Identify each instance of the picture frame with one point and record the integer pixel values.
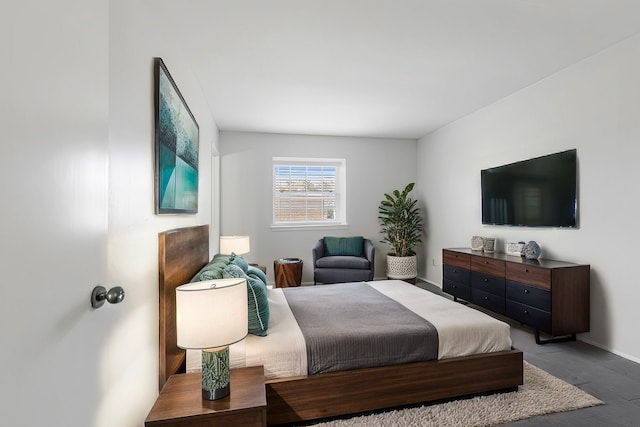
(177, 146)
(515, 248)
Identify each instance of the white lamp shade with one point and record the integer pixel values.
(211, 313)
(238, 245)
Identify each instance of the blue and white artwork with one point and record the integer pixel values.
(177, 144)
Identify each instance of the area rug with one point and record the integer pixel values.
(542, 393)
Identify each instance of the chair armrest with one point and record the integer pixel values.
(369, 251)
(317, 251)
(370, 254)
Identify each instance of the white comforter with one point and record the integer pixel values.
(462, 331)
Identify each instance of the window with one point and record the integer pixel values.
(308, 192)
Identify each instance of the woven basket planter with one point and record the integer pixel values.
(402, 267)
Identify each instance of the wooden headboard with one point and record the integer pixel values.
(181, 254)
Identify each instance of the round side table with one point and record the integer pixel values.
(288, 272)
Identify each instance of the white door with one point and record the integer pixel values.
(53, 215)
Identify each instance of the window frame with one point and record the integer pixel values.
(340, 190)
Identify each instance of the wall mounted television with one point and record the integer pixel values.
(539, 192)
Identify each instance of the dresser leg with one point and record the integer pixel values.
(566, 338)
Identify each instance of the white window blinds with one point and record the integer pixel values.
(307, 191)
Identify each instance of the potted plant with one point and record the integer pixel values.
(402, 226)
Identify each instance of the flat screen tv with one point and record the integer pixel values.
(539, 192)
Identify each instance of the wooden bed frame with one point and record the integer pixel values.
(183, 252)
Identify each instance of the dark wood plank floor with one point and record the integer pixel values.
(610, 378)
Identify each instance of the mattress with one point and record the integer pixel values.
(462, 331)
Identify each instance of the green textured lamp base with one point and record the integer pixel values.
(216, 394)
(215, 373)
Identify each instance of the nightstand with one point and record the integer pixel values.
(180, 403)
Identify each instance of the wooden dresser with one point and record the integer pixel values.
(550, 296)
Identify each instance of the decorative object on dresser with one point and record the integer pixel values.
(515, 248)
(550, 296)
(532, 250)
(402, 226)
(489, 245)
(477, 243)
(210, 316)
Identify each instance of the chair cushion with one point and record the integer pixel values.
(340, 275)
(339, 261)
(343, 245)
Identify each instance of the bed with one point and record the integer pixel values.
(293, 395)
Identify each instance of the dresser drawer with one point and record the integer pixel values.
(456, 259)
(457, 290)
(529, 295)
(530, 275)
(490, 266)
(531, 316)
(456, 274)
(484, 282)
(489, 301)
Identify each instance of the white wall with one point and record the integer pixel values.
(592, 106)
(129, 366)
(374, 167)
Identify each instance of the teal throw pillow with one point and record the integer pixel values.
(257, 300)
(240, 262)
(257, 274)
(222, 258)
(343, 245)
(213, 270)
(258, 307)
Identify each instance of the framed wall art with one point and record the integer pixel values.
(176, 147)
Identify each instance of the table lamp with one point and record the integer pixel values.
(238, 245)
(211, 315)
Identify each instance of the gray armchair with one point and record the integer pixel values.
(329, 268)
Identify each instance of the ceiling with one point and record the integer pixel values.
(382, 68)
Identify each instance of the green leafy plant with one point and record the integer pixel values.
(402, 223)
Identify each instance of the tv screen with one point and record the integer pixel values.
(539, 192)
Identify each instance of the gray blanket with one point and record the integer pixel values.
(351, 325)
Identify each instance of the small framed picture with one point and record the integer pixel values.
(515, 248)
(489, 245)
